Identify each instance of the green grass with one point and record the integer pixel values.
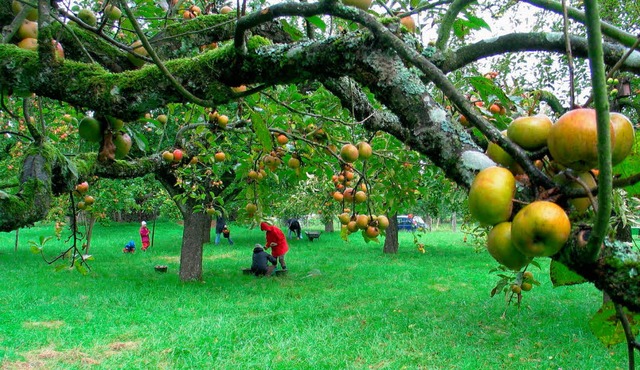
(365, 310)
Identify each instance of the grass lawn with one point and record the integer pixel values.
(360, 310)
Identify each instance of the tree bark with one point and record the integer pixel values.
(454, 222)
(195, 225)
(391, 238)
(328, 226)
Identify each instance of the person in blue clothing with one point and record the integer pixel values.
(130, 247)
(222, 229)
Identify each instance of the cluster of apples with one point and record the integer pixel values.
(27, 33)
(541, 228)
(93, 130)
(174, 156)
(351, 153)
(87, 200)
(342, 182)
(220, 120)
(370, 225)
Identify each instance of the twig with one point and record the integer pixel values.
(291, 109)
(567, 41)
(628, 333)
(13, 115)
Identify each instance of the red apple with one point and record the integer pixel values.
(177, 155)
(573, 140)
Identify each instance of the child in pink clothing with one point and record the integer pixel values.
(144, 235)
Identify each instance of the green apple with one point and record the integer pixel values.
(501, 248)
(498, 155)
(531, 132)
(361, 4)
(540, 229)
(579, 204)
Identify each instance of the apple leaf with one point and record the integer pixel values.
(499, 286)
(141, 141)
(80, 267)
(488, 90)
(608, 329)
(262, 132)
(35, 249)
(561, 275)
(630, 165)
(291, 30)
(317, 21)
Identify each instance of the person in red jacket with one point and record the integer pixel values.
(276, 241)
(144, 235)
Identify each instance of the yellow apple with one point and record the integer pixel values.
(491, 195)
(349, 153)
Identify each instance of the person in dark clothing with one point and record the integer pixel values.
(261, 259)
(221, 228)
(294, 226)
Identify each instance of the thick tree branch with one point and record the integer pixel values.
(529, 42)
(607, 29)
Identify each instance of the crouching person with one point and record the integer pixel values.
(260, 265)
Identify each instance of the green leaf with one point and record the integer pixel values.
(80, 267)
(460, 29)
(60, 268)
(291, 30)
(488, 90)
(561, 275)
(499, 286)
(141, 141)
(608, 329)
(317, 21)
(35, 249)
(261, 130)
(476, 23)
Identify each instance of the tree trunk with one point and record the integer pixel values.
(89, 223)
(454, 222)
(195, 226)
(429, 222)
(206, 236)
(391, 240)
(328, 226)
(15, 248)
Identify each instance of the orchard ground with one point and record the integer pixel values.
(342, 305)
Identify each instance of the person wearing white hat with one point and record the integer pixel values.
(144, 235)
